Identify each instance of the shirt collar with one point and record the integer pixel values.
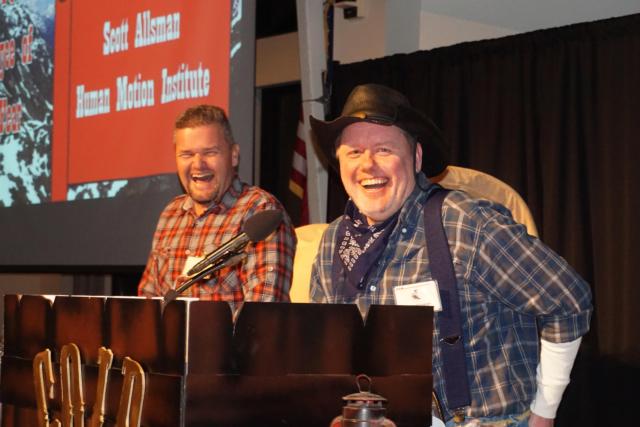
(416, 199)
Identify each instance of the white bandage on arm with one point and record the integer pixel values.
(556, 361)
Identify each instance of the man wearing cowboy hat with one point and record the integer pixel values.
(522, 309)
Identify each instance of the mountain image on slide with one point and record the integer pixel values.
(25, 156)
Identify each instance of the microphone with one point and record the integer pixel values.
(172, 294)
(256, 228)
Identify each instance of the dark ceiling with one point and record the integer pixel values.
(275, 17)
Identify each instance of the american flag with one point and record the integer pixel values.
(298, 179)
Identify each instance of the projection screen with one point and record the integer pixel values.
(89, 92)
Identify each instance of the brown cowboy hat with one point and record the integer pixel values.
(385, 106)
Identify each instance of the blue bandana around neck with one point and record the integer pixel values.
(359, 246)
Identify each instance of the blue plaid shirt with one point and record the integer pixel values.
(513, 290)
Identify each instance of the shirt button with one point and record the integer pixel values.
(270, 268)
(188, 252)
(404, 230)
(373, 288)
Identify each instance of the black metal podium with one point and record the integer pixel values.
(278, 365)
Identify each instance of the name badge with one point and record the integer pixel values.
(422, 293)
(191, 261)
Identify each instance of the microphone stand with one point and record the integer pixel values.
(235, 258)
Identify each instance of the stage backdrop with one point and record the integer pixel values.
(554, 113)
(87, 159)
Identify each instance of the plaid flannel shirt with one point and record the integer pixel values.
(512, 290)
(264, 275)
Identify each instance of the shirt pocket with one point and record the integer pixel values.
(167, 263)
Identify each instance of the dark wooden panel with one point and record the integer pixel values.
(17, 416)
(281, 338)
(162, 404)
(297, 400)
(266, 401)
(17, 381)
(210, 335)
(321, 338)
(11, 341)
(397, 341)
(134, 329)
(408, 396)
(34, 326)
(79, 320)
(173, 339)
(282, 365)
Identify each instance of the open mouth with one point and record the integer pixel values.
(202, 177)
(374, 183)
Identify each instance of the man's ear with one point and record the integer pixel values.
(235, 155)
(418, 157)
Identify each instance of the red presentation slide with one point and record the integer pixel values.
(123, 71)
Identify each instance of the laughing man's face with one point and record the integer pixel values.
(377, 168)
(206, 163)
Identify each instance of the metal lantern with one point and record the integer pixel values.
(363, 409)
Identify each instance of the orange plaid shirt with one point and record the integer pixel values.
(264, 275)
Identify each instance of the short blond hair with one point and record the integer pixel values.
(204, 115)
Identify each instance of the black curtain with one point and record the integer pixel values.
(556, 114)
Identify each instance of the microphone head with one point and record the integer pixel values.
(263, 223)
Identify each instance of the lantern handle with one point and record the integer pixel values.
(360, 382)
